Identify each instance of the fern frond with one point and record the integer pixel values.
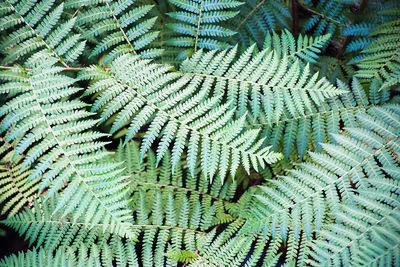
(37, 27)
(62, 257)
(382, 56)
(314, 128)
(266, 82)
(117, 27)
(368, 235)
(257, 18)
(306, 48)
(15, 190)
(52, 131)
(178, 110)
(199, 25)
(328, 17)
(297, 201)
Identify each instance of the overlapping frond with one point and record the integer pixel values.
(257, 18)
(381, 57)
(28, 27)
(116, 27)
(179, 111)
(199, 24)
(368, 234)
(263, 83)
(305, 198)
(41, 257)
(305, 48)
(310, 130)
(328, 17)
(53, 131)
(15, 189)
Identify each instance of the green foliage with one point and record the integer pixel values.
(197, 24)
(35, 27)
(200, 132)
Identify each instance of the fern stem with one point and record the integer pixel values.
(120, 28)
(198, 26)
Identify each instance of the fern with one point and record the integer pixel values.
(37, 27)
(257, 18)
(116, 27)
(64, 150)
(312, 129)
(266, 82)
(150, 133)
(197, 25)
(15, 190)
(337, 175)
(306, 48)
(165, 98)
(382, 55)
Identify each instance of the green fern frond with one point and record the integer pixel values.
(328, 17)
(382, 56)
(116, 27)
(297, 201)
(15, 190)
(314, 128)
(62, 257)
(199, 25)
(52, 131)
(37, 27)
(266, 82)
(306, 48)
(368, 235)
(176, 106)
(257, 18)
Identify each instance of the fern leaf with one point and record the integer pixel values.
(196, 24)
(345, 168)
(117, 27)
(36, 28)
(65, 151)
(175, 104)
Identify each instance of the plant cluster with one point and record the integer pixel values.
(201, 132)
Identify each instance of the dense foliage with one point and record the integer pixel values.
(201, 132)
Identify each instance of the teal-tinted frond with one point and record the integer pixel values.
(368, 235)
(382, 56)
(28, 27)
(266, 82)
(180, 113)
(257, 18)
(328, 17)
(305, 48)
(42, 257)
(15, 190)
(208, 202)
(334, 69)
(305, 198)
(198, 24)
(116, 27)
(310, 130)
(230, 248)
(53, 131)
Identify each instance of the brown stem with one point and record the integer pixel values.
(295, 17)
